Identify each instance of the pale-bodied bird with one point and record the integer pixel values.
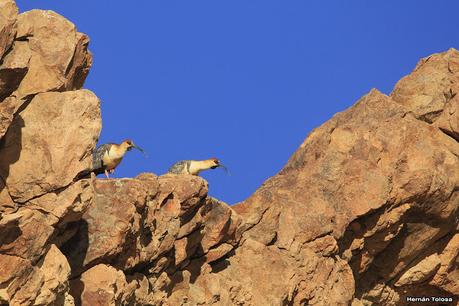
(194, 167)
(108, 156)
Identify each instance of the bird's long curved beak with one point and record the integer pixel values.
(140, 149)
(224, 168)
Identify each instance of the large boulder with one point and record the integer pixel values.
(364, 213)
(431, 88)
(34, 270)
(49, 143)
(8, 14)
(47, 283)
(48, 54)
(101, 285)
(151, 221)
(60, 59)
(380, 179)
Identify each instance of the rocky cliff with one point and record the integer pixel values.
(364, 213)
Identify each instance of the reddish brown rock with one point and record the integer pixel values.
(12, 267)
(264, 275)
(27, 232)
(49, 142)
(448, 121)
(101, 285)
(8, 108)
(38, 272)
(220, 225)
(24, 289)
(156, 225)
(60, 59)
(47, 55)
(121, 224)
(420, 272)
(43, 284)
(6, 203)
(370, 177)
(364, 213)
(447, 275)
(13, 69)
(38, 161)
(139, 289)
(68, 205)
(8, 14)
(56, 272)
(432, 85)
(218, 252)
(134, 221)
(430, 91)
(116, 227)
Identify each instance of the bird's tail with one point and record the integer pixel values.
(85, 174)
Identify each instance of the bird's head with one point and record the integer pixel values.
(128, 144)
(215, 163)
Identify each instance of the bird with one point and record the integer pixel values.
(194, 167)
(108, 156)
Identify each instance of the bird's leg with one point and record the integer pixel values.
(112, 171)
(106, 174)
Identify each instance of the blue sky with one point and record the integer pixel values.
(244, 81)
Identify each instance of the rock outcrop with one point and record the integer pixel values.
(365, 212)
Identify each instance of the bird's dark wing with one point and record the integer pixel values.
(97, 165)
(178, 167)
(97, 158)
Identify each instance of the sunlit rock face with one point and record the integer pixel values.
(365, 211)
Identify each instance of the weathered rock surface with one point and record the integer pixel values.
(35, 268)
(101, 285)
(429, 92)
(447, 275)
(48, 142)
(364, 213)
(380, 180)
(8, 14)
(40, 51)
(149, 224)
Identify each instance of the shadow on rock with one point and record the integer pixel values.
(10, 231)
(75, 248)
(10, 147)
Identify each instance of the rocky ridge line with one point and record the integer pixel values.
(364, 213)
